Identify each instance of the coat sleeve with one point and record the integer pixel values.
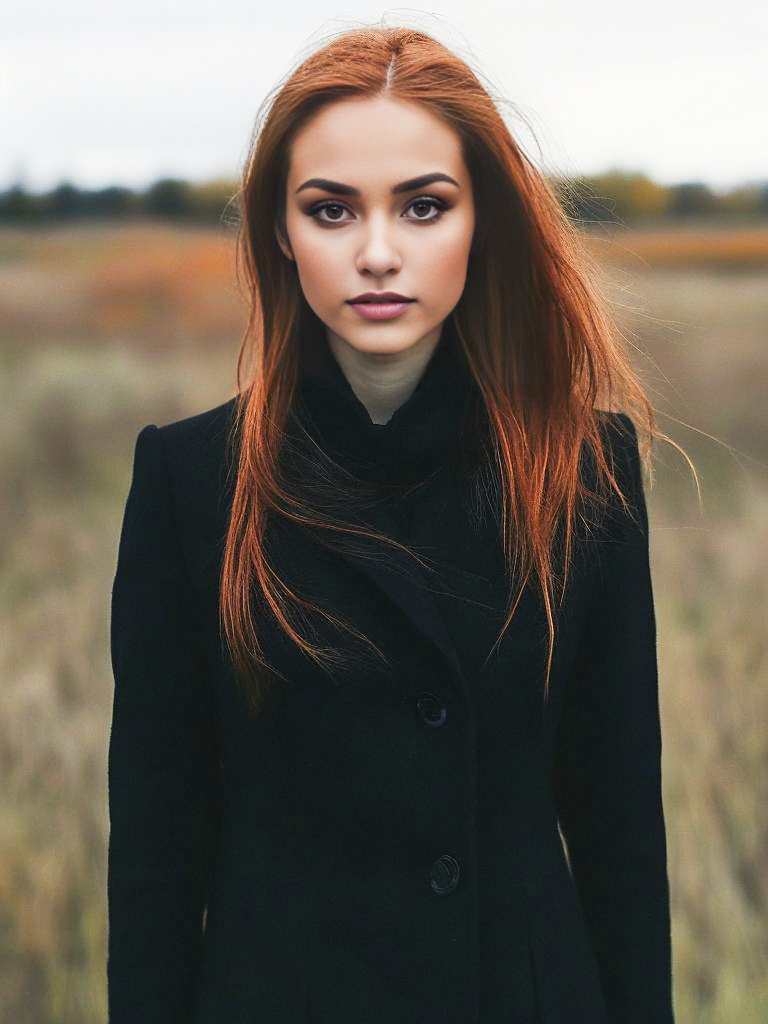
(608, 764)
(162, 762)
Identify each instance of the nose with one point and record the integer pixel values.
(378, 251)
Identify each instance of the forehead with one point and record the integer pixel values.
(374, 142)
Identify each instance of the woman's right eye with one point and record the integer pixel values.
(325, 206)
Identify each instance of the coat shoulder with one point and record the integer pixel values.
(198, 449)
(618, 430)
(184, 436)
(620, 445)
(200, 461)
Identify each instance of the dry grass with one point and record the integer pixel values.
(106, 330)
(691, 247)
(156, 285)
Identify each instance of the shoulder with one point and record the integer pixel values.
(190, 458)
(196, 448)
(183, 438)
(621, 449)
(618, 430)
(605, 516)
(619, 439)
(182, 471)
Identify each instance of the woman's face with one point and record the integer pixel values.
(415, 241)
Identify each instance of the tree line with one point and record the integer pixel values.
(613, 198)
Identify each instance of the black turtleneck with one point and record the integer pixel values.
(416, 477)
(424, 433)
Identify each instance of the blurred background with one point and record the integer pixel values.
(124, 132)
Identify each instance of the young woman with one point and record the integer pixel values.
(385, 745)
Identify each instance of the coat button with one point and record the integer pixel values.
(444, 876)
(431, 710)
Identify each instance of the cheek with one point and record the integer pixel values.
(318, 269)
(314, 256)
(318, 260)
(448, 256)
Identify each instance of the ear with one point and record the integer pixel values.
(283, 243)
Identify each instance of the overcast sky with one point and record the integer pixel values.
(98, 92)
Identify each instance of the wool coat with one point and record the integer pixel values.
(413, 839)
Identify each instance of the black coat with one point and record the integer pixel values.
(382, 845)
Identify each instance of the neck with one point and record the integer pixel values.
(383, 381)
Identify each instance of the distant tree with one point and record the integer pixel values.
(214, 201)
(63, 202)
(168, 197)
(581, 201)
(642, 196)
(615, 196)
(16, 204)
(692, 198)
(114, 201)
(762, 197)
(742, 201)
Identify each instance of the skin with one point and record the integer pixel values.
(379, 241)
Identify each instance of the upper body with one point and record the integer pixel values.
(384, 844)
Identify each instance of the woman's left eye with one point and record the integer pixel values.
(438, 204)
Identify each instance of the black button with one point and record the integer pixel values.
(444, 876)
(431, 710)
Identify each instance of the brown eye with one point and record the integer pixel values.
(436, 203)
(326, 206)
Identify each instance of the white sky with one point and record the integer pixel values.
(100, 92)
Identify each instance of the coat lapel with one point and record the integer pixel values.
(391, 573)
(408, 587)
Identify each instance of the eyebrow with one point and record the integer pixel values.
(405, 186)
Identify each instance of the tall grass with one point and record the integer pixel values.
(104, 330)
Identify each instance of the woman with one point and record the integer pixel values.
(385, 742)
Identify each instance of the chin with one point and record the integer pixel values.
(383, 337)
(377, 342)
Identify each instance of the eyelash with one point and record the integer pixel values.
(441, 205)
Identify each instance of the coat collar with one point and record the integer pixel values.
(421, 435)
(425, 436)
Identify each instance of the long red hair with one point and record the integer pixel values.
(538, 337)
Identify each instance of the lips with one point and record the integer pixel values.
(381, 310)
(381, 299)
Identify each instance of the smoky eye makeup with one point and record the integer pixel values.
(313, 210)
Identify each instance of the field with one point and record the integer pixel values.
(106, 328)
